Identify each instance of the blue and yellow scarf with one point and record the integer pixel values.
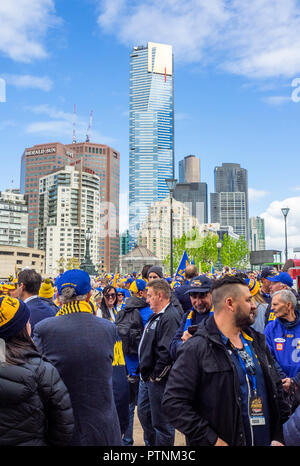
(75, 306)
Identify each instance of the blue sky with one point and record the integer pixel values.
(235, 62)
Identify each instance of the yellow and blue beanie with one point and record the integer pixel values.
(138, 285)
(253, 285)
(46, 289)
(14, 315)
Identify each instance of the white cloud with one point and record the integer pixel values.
(23, 27)
(274, 224)
(254, 38)
(27, 81)
(277, 99)
(60, 124)
(255, 194)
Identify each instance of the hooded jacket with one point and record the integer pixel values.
(35, 407)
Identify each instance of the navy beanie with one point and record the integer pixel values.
(156, 269)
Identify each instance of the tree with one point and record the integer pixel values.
(73, 263)
(61, 263)
(234, 253)
(203, 249)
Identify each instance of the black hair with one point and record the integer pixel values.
(103, 307)
(18, 347)
(145, 270)
(31, 280)
(222, 287)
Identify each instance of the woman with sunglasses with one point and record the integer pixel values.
(108, 305)
(120, 299)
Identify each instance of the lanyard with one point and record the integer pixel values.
(251, 377)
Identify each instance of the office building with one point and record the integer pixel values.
(229, 202)
(194, 197)
(104, 161)
(13, 259)
(13, 218)
(155, 232)
(69, 205)
(189, 169)
(257, 234)
(124, 243)
(151, 130)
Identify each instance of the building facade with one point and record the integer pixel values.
(194, 196)
(229, 209)
(13, 259)
(13, 218)
(229, 202)
(189, 169)
(103, 160)
(151, 130)
(69, 201)
(257, 234)
(155, 232)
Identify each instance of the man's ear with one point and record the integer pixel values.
(229, 303)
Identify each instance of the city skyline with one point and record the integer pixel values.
(240, 106)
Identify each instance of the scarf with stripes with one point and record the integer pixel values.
(75, 306)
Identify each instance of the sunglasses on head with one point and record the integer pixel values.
(197, 294)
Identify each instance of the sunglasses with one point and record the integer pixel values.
(120, 294)
(110, 295)
(198, 295)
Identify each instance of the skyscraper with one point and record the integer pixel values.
(257, 234)
(151, 130)
(189, 169)
(104, 161)
(229, 202)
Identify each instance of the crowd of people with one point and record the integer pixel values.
(215, 356)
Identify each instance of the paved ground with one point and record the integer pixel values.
(139, 439)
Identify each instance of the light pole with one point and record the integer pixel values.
(285, 211)
(219, 265)
(171, 183)
(87, 264)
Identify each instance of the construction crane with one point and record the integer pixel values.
(89, 127)
(74, 125)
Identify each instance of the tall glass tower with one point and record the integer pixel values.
(151, 130)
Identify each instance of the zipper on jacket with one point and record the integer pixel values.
(251, 428)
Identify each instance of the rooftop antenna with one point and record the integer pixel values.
(89, 127)
(74, 125)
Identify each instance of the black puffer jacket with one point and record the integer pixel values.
(35, 407)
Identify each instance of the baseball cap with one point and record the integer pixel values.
(282, 277)
(266, 272)
(200, 284)
(77, 279)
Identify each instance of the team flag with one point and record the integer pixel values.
(183, 264)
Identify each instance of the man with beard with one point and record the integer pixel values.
(199, 292)
(223, 388)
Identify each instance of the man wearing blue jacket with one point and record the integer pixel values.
(283, 337)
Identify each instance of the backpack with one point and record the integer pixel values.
(130, 329)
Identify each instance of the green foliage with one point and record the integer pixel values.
(73, 263)
(234, 253)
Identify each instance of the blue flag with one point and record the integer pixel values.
(182, 264)
(212, 269)
(192, 261)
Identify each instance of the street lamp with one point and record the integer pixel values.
(285, 211)
(219, 265)
(171, 183)
(87, 265)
